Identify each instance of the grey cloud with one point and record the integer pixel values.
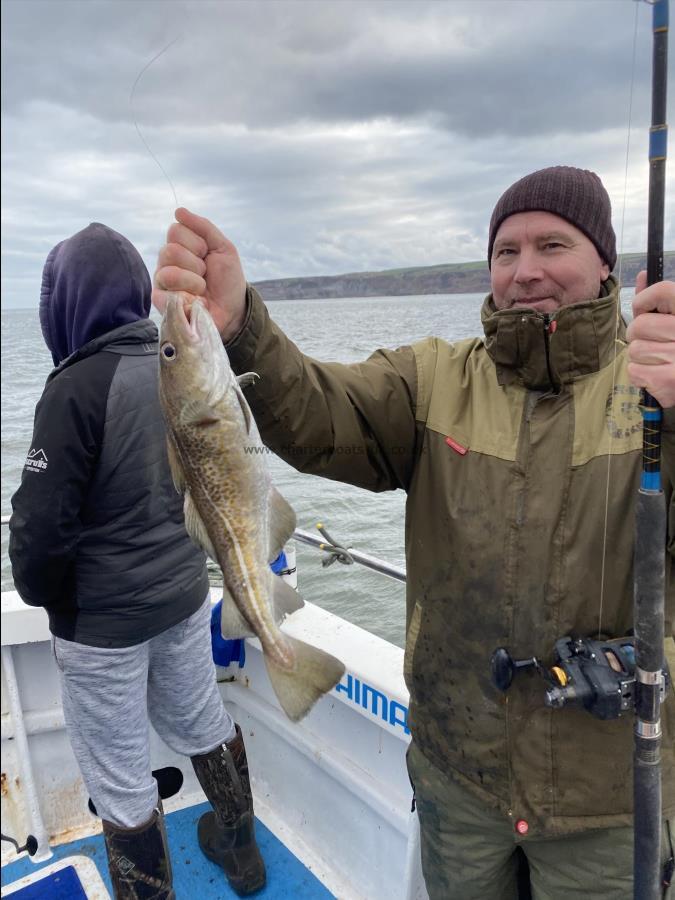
(481, 68)
(322, 137)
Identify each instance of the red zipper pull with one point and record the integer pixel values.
(456, 447)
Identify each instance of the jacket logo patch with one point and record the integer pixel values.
(622, 411)
(124, 865)
(36, 460)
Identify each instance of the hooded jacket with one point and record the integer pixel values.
(97, 534)
(503, 445)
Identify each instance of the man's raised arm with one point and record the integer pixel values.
(352, 423)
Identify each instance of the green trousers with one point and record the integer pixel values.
(469, 851)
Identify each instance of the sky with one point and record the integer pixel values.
(321, 136)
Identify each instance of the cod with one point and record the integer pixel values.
(231, 508)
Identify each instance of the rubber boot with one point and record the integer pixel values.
(227, 835)
(138, 859)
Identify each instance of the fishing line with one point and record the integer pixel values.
(618, 319)
(138, 130)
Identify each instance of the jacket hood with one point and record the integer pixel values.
(92, 283)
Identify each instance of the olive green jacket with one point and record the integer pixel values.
(505, 447)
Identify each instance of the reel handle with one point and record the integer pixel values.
(503, 667)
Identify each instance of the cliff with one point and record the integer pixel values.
(455, 278)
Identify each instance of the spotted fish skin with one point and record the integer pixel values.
(231, 507)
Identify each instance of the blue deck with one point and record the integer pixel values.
(193, 874)
(62, 885)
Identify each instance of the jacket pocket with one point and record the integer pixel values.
(592, 764)
(59, 663)
(411, 642)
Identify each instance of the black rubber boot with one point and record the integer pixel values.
(138, 859)
(227, 835)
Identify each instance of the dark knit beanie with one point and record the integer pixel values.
(576, 195)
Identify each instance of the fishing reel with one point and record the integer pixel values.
(597, 675)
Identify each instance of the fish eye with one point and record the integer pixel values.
(168, 351)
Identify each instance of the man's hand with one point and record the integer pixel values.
(198, 259)
(651, 336)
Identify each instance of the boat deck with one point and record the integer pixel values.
(193, 874)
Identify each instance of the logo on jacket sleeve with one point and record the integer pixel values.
(622, 412)
(36, 460)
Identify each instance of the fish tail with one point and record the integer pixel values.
(315, 672)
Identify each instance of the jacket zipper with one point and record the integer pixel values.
(550, 326)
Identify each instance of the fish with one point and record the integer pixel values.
(232, 509)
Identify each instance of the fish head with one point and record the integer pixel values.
(192, 359)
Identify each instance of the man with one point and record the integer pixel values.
(98, 540)
(503, 445)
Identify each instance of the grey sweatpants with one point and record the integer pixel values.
(111, 695)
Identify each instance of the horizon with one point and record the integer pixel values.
(33, 304)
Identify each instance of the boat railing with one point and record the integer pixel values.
(334, 551)
(347, 555)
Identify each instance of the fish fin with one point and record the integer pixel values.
(196, 528)
(285, 599)
(232, 624)
(175, 466)
(314, 673)
(198, 412)
(244, 408)
(247, 379)
(282, 522)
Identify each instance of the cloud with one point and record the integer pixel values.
(323, 137)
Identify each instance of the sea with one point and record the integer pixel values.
(343, 330)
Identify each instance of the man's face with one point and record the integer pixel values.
(540, 261)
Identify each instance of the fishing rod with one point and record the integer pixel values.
(650, 529)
